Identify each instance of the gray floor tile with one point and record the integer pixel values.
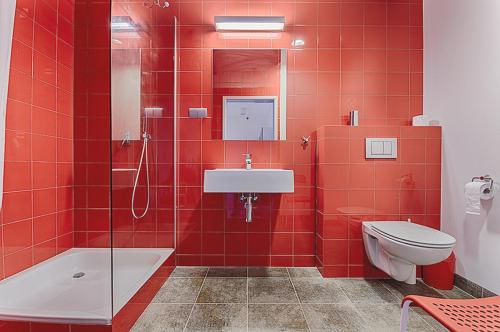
(227, 272)
(328, 304)
(163, 317)
(179, 290)
(303, 272)
(276, 317)
(267, 272)
(218, 317)
(366, 291)
(189, 272)
(319, 290)
(387, 317)
(271, 290)
(223, 290)
(401, 289)
(333, 317)
(430, 320)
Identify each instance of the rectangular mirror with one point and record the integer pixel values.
(249, 93)
(126, 94)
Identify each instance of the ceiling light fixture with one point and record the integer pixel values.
(249, 23)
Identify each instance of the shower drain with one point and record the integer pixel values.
(78, 275)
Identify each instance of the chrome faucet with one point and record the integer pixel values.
(248, 160)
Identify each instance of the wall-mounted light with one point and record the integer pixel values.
(249, 23)
(249, 35)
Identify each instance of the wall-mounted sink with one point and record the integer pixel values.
(239, 180)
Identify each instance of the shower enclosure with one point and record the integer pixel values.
(119, 192)
(142, 142)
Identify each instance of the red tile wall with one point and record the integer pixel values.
(352, 189)
(92, 123)
(364, 55)
(37, 213)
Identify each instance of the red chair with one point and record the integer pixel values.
(477, 315)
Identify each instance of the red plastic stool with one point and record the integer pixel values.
(477, 315)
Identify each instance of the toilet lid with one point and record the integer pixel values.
(413, 233)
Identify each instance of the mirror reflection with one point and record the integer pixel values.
(249, 94)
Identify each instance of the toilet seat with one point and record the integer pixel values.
(414, 234)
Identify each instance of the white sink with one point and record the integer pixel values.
(237, 180)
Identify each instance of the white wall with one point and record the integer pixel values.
(462, 91)
(7, 13)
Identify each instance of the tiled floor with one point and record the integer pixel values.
(280, 299)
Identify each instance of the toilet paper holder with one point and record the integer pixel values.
(485, 178)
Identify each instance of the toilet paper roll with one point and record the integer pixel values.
(474, 193)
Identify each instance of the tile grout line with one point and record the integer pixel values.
(197, 296)
(343, 292)
(298, 299)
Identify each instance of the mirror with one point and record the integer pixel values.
(126, 94)
(249, 94)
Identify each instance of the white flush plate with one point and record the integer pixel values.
(381, 148)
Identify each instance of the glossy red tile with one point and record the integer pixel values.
(21, 56)
(20, 86)
(17, 206)
(44, 40)
(352, 13)
(18, 261)
(329, 14)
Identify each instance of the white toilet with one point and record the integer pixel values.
(398, 247)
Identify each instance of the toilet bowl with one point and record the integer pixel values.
(398, 247)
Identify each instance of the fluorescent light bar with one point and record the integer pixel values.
(249, 23)
(249, 35)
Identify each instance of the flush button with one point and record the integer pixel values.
(381, 148)
(377, 147)
(387, 148)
